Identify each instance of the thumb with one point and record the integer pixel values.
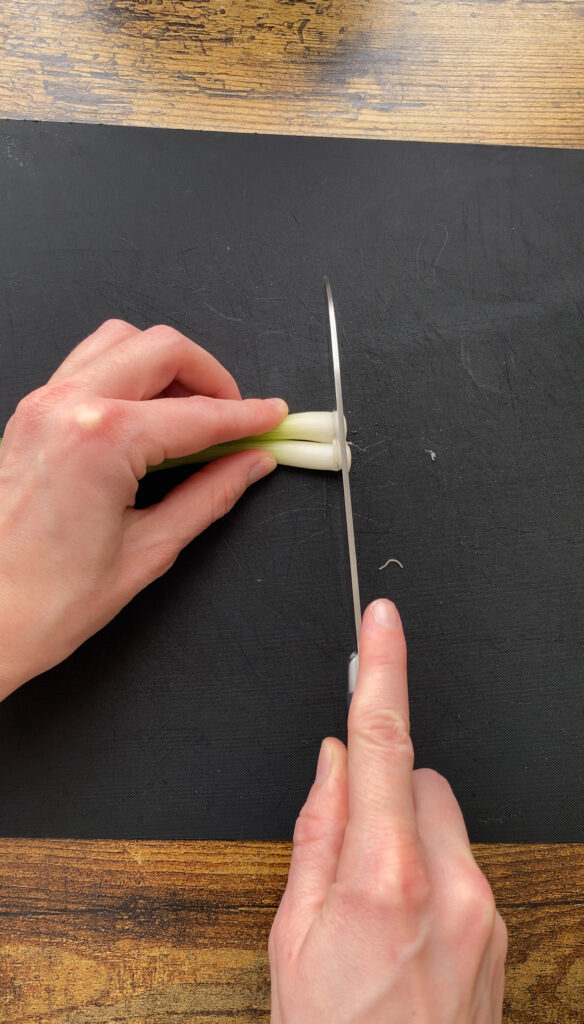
(318, 836)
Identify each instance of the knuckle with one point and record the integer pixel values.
(410, 886)
(63, 414)
(400, 885)
(308, 828)
(41, 405)
(213, 412)
(223, 499)
(33, 408)
(413, 876)
(385, 728)
(473, 905)
(162, 557)
(87, 417)
(168, 337)
(72, 412)
(380, 657)
(91, 419)
(115, 323)
(312, 828)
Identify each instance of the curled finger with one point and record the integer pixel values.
(111, 334)
(151, 361)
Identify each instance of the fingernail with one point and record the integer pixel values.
(261, 468)
(385, 614)
(324, 763)
(280, 405)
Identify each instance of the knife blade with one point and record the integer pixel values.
(340, 424)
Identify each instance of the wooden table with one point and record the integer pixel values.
(159, 932)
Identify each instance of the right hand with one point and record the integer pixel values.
(386, 918)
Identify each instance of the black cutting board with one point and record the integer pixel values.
(458, 273)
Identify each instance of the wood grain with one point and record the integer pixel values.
(153, 933)
(498, 71)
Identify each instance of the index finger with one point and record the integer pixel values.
(382, 816)
(171, 428)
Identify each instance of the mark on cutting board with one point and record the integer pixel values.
(466, 365)
(438, 245)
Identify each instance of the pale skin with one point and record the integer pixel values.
(386, 916)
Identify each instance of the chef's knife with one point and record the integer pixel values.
(340, 424)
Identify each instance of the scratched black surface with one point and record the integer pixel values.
(459, 282)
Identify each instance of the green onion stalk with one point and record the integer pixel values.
(307, 440)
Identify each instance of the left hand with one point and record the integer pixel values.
(74, 550)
